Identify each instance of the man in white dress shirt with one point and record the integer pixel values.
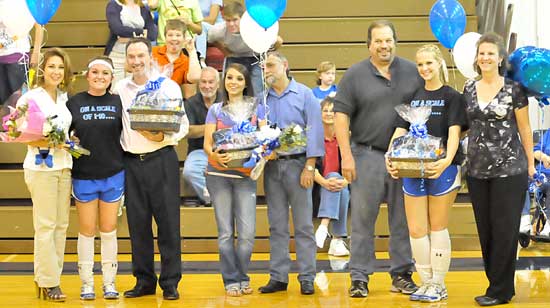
(152, 182)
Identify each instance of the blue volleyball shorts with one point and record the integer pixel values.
(447, 182)
(107, 190)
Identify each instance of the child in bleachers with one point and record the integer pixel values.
(326, 75)
(181, 65)
(188, 11)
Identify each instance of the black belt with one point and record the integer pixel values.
(149, 155)
(292, 156)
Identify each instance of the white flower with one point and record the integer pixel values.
(297, 129)
(47, 128)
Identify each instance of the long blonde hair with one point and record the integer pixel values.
(438, 56)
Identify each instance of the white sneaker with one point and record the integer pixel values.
(419, 293)
(434, 293)
(546, 230)
(110, 291)
(321, 235)
(87, 292)
(525, 224)
(338, 248)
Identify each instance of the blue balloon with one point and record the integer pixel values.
(43, 10)
(265, 12)
(534, 71)
(447, 21)
(515, 59)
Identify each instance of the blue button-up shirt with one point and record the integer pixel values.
(298, 105)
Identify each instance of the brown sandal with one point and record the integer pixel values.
(53, 294)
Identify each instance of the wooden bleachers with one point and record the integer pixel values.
(313, 31)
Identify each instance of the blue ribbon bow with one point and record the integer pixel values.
(153, 85)
(538, 179)
(419, 130)
(244, 127)
(544, 101)
(45, 157)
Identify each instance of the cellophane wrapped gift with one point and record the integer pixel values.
(154, 110)
(239, 140)
(410, 153)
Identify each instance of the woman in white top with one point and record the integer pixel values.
(48, 175)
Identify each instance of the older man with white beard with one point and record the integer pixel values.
(197, 109)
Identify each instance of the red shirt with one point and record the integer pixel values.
(331, 163)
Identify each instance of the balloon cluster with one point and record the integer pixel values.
(19, 16)
(259, 25)
(447, 21)
(530, 66)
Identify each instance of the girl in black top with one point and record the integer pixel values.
(499, 162)
(428, 201)
(98, 179)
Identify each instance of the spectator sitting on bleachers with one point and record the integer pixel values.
(226, 36)
(197, 109)
(188, 11)
(333, 191)
(541, 153)
(172, 59)
(211, 13)
(127, 19)
(326, 75)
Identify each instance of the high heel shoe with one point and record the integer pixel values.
(53, 294)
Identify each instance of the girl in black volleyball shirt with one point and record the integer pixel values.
(427, 201)
(98, 179)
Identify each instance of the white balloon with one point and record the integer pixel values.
(17, 18)
(257, 37)
(464, 54)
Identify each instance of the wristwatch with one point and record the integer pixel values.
(310, 168)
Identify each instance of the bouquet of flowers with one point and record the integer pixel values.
(154, 110)
(409, 153)
(268, 139)
(292, 139)
(27, 123)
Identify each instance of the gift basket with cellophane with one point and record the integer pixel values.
(154, 110)
(239, 140)
(410, 153)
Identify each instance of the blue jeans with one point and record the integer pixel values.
(201, 41)
(334, 205)
(372, 187)
(282, 189)
(527, 205)
(234, 202)
(193, 173)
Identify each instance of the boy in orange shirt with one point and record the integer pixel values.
(178, 58)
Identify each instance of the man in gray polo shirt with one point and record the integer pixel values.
(364, 104)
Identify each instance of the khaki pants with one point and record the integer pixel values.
(50, 193)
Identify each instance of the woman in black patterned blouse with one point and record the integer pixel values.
(500, 158)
